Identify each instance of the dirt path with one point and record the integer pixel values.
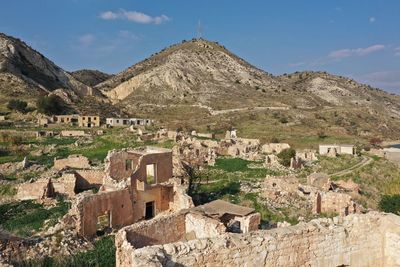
(364, 162)
(218, 112)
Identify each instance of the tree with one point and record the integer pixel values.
(390, 203)
(51, 105)
(286, 155)
(17, 105)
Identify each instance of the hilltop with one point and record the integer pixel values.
(201, 84)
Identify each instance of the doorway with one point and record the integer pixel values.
(149, 210)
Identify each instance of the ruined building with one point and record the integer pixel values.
(138, 185)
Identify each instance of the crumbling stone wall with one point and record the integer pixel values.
(356, 240)
(73, 161)
(334, 202)
(88, 179)
(89, 207)
(161, 195)
(32, 190)
(116, 162)
(200, 226)
(160, 230)
(274, 148)
(75, 133)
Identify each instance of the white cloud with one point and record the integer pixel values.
(372, 19)
(86, 39)
(343, 53)
(134, 16)
(108, 15)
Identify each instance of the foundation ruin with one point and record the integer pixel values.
(356, 240)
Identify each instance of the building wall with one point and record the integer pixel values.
(89, 208)
(163, 163)
(78, 162)
(72, 133)
(334, 202)
(356, 240)
(116, 165)
(128, 121)
(89, 121)
(347, 150)
(160, 194)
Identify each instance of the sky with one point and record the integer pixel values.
(355, 38)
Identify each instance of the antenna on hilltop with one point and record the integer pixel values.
(199, 30)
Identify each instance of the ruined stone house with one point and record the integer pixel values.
(148, 191)
(116, 122)
(334, 150)
(75, 120)
(335, 202)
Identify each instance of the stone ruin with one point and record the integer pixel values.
(357, 240)
(73, 161)
(138, 185)
(319, 196)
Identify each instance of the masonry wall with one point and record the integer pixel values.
(160, 194)
(163, 163)
(357, 240)
(161, 230)
(87, 179)
(89, 208)
(78, 162)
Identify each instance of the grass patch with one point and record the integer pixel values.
(7, 190)
(26, 217)
(334, 165)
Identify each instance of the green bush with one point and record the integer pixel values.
(286, 155)
(17, 105)
(51, 105)
(390, 203)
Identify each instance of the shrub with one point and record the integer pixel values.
(286, 155)
(283, 120)
(322, 134)
(274, 140)
(17, 105)
(51, 105)
(390, 203)
(375, 142)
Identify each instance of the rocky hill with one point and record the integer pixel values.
(90, 77)
(26, 74)
(23, 67)
(199, 79)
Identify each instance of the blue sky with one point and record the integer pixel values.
(355, 38)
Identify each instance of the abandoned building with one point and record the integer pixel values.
(335, 202)
(115, 122)
(147, 190)
(333, 150)
(72, 120)
(272, 148)
(69, 185)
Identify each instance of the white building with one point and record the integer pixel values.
(115, 122)
(338, 149)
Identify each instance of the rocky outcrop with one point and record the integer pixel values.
(20, 60)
